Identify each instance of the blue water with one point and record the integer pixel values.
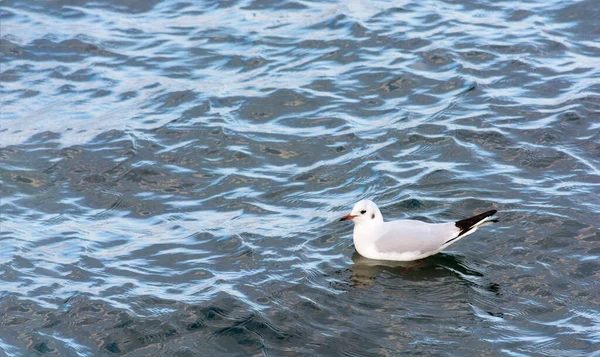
(172, 174)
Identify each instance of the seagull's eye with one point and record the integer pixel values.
(363, 212)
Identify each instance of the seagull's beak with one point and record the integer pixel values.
(347, 217)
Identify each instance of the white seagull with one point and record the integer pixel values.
(406, 240)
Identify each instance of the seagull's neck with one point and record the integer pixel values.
(365, 234)
(368, 228)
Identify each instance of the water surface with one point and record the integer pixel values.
(172, 174)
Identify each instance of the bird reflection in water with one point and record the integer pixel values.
(364, 270)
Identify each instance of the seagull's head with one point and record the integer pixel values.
(363, 212)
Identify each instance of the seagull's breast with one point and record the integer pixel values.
(365, 236)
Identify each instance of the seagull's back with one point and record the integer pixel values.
(405, 239)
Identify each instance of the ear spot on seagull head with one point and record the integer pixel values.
(363, 212)
(373, 216)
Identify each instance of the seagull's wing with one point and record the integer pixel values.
(414, 236)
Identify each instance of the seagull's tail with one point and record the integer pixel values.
(470, 225)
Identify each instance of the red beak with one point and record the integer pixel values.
(347, 217)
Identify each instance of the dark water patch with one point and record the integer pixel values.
(172, 175)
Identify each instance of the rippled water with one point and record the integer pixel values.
(172, 174)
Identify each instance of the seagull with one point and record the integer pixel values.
(406, 240)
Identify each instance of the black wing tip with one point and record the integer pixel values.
(484, 214)
(466, 224)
